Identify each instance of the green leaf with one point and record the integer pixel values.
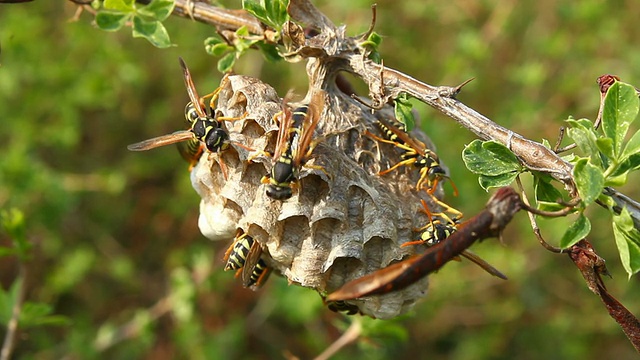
(620, 110)
(403, 113)
(119, 5)
(576, 232)
(488, 182)
(217, 48)
(490, 158)
(158, 9)
(628, 164)
(8, 299)
(255, 8)
(371, 45)
(589, 180)
(153, 31)
(276, 13)
(243, 42)
(226, 63)
(616, 180)
(38, 314)
(269, 51)
(111, 21)
(628, 241)
(633, 146)
(13, 223)
(547, 196)
(582, 133)
(373, 41)
(605, 145)
(545, 191)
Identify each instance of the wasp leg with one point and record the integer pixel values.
(230, 118)
(401, 163)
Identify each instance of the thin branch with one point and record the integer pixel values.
(220, 18)
(532, 219)
(560, 213)
(12, 325)
(350, 335)
(592, 266)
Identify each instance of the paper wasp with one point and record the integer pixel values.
(205, 127)
(414, 153)
(244, 255)
(440, 226)
(343, 306)
(293, 146)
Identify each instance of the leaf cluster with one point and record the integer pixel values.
(145, 20)
(606, 159)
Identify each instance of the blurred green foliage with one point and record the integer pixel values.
(116, 247)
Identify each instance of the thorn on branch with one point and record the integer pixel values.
(451, 92)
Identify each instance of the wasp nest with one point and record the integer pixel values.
(343, 221)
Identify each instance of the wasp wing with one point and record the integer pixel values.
(163, 140)
(253, 257)
(191, 90)
(284, 130)
(316, 106)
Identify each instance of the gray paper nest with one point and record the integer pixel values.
(335, 228)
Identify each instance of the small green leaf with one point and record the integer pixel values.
(589, 180)
(226, 63)
(628, 164)
(582, 133)
(633, 146)
(38, 314)
(576, 232)
(157, 10)
(371, 45)
(218, 49)
(373, 40)
(153, 31)
(276, 13)
(269, 51)
(547, 196)
(8, 299)
(488, 182)
(403, 113)
(490, 158)
(119, 5)
(621, 106)
(111, 21)
(545, 191)
(617, 180)
(605, 145)
(628, 241)
(255, 8)
(243, 42)
(13, 223)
